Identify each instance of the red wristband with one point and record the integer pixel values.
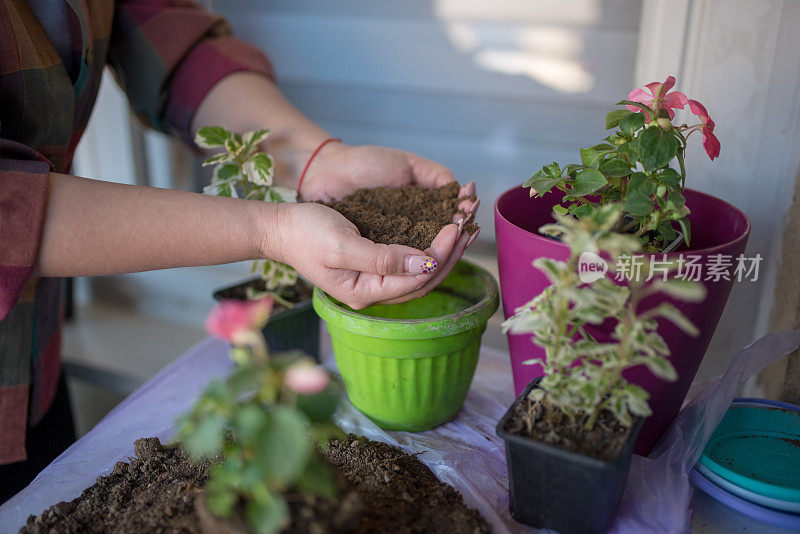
(313, 155)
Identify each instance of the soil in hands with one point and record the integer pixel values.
(545, 423)
(408, 215)
(381, 490)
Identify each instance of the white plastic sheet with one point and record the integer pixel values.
(465, 453)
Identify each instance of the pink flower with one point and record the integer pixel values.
(231, 318)
(659, 92)
(710, 141)
(306, 378)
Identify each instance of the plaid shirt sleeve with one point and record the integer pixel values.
(23, 202)
(168, 54)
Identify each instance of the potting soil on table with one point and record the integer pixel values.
(381, 489)
(408, 215)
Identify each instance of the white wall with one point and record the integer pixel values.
(493, 90)
(740, 58)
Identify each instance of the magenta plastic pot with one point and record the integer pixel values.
(717, 228)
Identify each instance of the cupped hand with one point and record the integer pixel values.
(340, 169)
(328, 250)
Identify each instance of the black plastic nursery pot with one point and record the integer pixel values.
(293, 329)
(553, 488)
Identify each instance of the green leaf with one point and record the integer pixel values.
(667, 232)
(670, 176)
(553, 170)
(582, 210)
(249, 422)
(672, 314)
(632, 123)
(677, 198)
(279, 193)
(604, 147)
(211, 136)
(659, 366)
(227, 171)
(635, 104)
(615, 168)
(686, 290)
(587, 181)
(319, 408)
(251, 139)
(686, 229)
(641, 183)
(638, 204)
(259, 169)
(206, 440)
(636, 399)
(545, 185)
(590, 157)
(220, 502)
(222, 157)
(613, 117)
(318, 479)
(561, 210)
(616, 140)
(268, 515)
(657, 148)
(630, 149)
(283, 445)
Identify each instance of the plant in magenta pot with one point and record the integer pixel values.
(569, 435)
(640, 166)
(243, 170)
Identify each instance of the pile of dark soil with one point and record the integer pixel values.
(409, 215)
(381, 489)
(542, 422)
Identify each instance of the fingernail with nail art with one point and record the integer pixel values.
(420, 264)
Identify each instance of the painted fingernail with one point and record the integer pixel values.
(474, 237)
(460, 227)
(420, 264)
(474, 208)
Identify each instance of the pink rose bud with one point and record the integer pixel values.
(306, 378)
(231, 318)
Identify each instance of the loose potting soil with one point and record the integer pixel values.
(381, 489)
(547, 424)
(408, 215)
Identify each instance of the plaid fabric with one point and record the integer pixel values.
(166, 55)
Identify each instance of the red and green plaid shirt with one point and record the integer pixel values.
(166, 55)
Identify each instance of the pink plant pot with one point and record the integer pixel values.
(717, 228)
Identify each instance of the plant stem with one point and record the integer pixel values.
(624, 350)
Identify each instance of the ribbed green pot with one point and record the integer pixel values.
(409, 366)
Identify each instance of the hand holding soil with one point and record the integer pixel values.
(340, 170)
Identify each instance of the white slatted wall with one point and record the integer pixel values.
(492, 89)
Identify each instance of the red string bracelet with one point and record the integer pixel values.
(313, 155)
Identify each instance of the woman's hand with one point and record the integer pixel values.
(340, 169)
(327, 249)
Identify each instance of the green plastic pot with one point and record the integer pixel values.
(409, 366)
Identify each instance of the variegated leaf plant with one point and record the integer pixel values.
(582, 376)
(243, 170)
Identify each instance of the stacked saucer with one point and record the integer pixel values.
(752, 461)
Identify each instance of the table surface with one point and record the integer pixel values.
(465, 452)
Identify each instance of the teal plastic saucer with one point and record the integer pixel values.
(757, 448)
